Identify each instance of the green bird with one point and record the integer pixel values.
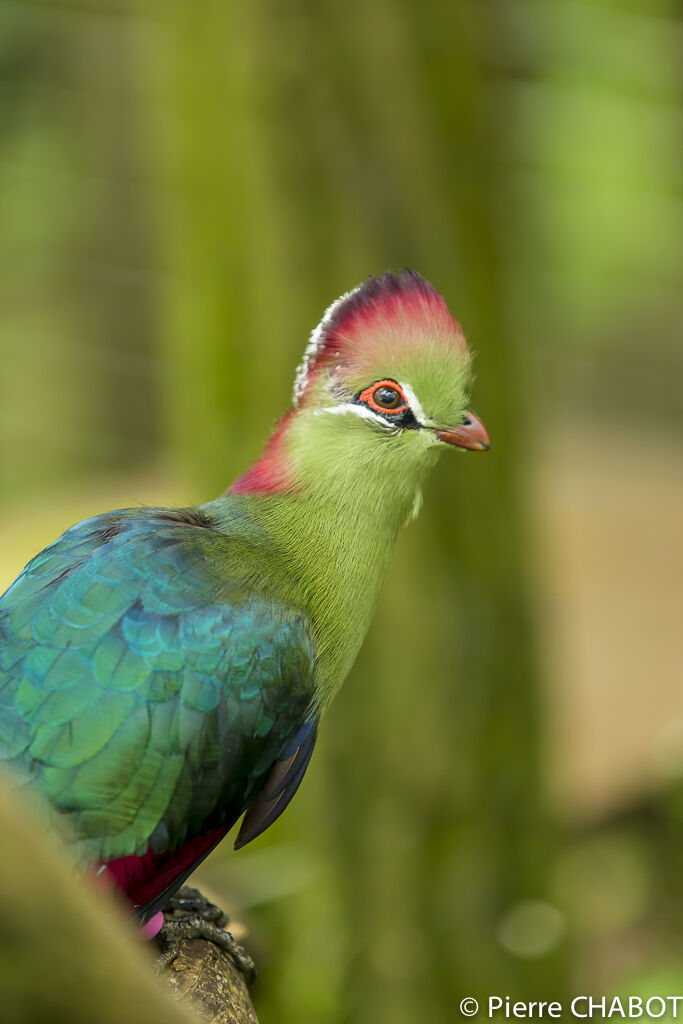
(163, 671)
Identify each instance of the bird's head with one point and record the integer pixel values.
(390, 354)
(384, 383)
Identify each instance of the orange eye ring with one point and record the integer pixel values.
(384, 396)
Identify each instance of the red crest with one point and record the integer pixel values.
(405, 303)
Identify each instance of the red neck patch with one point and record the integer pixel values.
(271, 474)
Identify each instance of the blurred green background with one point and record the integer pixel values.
(496, 800)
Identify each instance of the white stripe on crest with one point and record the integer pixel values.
(316, 342)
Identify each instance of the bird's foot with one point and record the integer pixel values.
(197, 918)
(194, 927)
(188, 901)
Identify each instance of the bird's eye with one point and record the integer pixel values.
(387, 398)
(384, 396)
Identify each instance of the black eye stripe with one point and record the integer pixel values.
(405, 419)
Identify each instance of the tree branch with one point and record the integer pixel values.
(203, 964)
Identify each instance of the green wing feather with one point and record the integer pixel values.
(141, 690)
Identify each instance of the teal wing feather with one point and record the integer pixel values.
(141, 691)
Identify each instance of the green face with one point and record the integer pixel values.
(412, 405)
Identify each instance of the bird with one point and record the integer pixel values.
(163, 671)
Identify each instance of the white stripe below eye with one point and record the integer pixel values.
(357, 410)
(367, 414)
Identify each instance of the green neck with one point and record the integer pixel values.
(330, 534)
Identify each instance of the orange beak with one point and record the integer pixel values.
(471, 434)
